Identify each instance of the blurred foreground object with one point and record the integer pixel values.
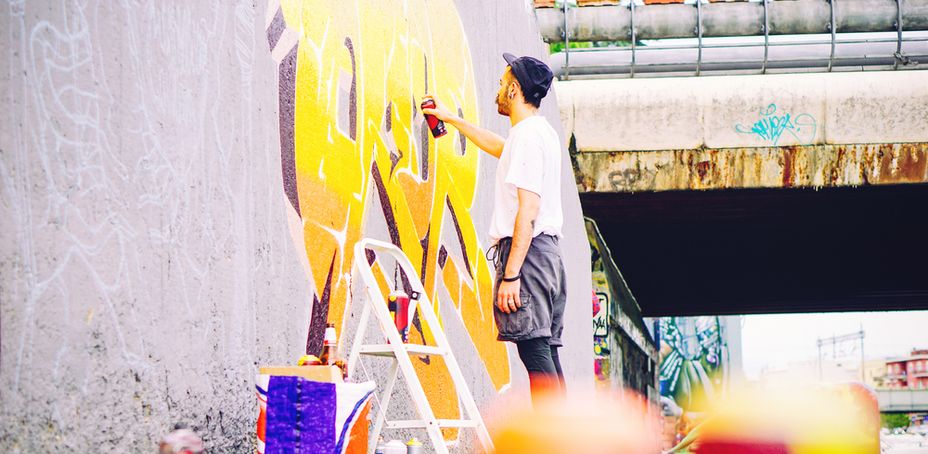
(599, 423)
(793, 420)
(181, 441)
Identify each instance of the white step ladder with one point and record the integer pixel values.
(374, 301)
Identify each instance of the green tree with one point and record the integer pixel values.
(894, 420)
(557, 47)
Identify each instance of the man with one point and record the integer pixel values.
(527, 220)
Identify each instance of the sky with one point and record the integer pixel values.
(773, 341)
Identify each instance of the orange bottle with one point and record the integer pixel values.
(329, 343)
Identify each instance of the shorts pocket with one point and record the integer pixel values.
(518, 323)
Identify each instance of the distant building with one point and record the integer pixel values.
(846, 370)
(908, 372)
(813, 371)
(875, 373)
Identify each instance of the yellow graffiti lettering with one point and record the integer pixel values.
(360, 142)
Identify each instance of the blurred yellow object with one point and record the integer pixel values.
(600, 423)
(308, 360)
(820, 419)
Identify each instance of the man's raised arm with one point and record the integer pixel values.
(487, 140)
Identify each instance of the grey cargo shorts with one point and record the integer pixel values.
(543, 292)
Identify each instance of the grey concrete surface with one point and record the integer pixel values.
(722, 111)
(146, 263)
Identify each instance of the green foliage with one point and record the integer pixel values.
(559, 47)
(893, 420)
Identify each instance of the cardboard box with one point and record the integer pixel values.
(326, 374)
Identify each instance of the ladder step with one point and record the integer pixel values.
(412, 349)
(421, 423)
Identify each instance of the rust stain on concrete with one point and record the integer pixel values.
(788, 166)
(902, 165)
(793, 166)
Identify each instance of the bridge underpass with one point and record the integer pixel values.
(742, 251)
(707, 212)
(902, 400)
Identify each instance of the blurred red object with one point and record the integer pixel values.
(741, 447)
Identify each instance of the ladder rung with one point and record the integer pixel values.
(421, 423)
(412, 349)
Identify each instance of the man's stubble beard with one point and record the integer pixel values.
(502, 107)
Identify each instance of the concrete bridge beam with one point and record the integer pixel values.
(747, 131)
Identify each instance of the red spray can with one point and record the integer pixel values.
(399, 305)
(437, 126)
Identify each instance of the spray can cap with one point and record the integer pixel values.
(329, 336)
(413, 442)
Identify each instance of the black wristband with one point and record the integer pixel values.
(512, 279)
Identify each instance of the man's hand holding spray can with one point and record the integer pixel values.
(435, 125)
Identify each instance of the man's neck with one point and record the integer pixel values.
(521, 112)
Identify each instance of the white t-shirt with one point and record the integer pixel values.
(531, 160)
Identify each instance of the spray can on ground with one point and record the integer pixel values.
(413, 446)
(437, 126)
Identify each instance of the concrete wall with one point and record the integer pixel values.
(746, 111)
(183, 184)
(748, 131)
(145, 263)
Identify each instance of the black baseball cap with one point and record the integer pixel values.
(534, 76)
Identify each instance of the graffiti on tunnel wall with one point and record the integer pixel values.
(691, 359)
(624, 354)
(356, 152)
(602, 302)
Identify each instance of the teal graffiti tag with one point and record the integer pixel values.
(771, 126)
